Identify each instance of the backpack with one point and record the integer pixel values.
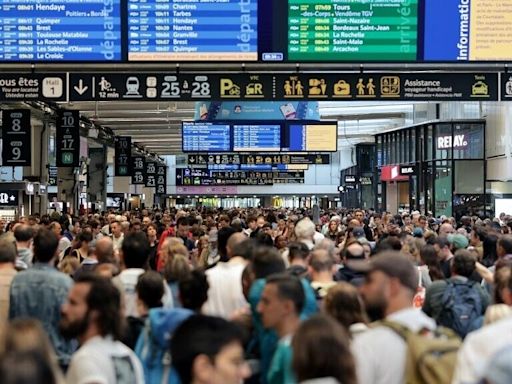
(431, 355)
(461, 308)
(154, 341)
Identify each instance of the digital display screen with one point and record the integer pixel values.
(260, 137)
(193, 30)
(348, 30)
(206, 137)
(60, 30)
(468, 30)
(312, 137)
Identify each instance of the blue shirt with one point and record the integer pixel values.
(39, 293)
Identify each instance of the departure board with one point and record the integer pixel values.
(60, 30)
(192, 30)
(312, 137)
(256, 137)
(206, 137)
(352, 30)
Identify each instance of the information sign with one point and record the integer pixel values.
(68, 138)
(16, 138)
(123, 153)
(138, 170)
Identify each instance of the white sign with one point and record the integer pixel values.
(445, 142)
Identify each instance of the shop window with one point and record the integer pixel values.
(468, 141)
(469, 177)
(443, 188)
(443, 141)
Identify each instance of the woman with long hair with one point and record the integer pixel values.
(321, 351)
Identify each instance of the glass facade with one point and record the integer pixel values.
(449, 159)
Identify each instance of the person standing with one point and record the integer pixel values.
(40, 291)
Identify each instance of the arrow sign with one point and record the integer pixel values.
(81, 89)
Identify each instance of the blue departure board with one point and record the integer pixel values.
(257, 137)
(192, 30)
(60, 30)
(206, 137)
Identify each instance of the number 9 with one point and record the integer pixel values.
(16, 153)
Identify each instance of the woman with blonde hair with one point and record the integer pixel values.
(26, 337)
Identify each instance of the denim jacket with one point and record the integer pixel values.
(39, 293)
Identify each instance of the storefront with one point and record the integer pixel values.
(436, 167)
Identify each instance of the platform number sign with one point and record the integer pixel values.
(150, 174)
(68, 139)
(123, 156)
(138, 170)
(16, 136)
(161, 179)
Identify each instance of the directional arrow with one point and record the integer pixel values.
(81, 89)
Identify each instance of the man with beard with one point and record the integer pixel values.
(92, 315)
(388, 291)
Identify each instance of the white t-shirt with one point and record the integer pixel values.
(479, 348)
(126, 283)
(101, 360)
(225, 294)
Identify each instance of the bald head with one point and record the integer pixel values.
(445, 229)
(233, 240)
(104, 250)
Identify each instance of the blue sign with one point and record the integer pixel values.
(261, 110)
(206, 137)
(195, 30)
(257, 137)
(60, 30)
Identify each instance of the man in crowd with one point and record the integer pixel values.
(40, 291)
(7, 273)
(24, 234)
(388, 292)
(92, 315)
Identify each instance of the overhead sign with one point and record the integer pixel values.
(161, 179)
(68, 138)
(16, 138)
(26, 87)
(205, 137)
(8, 198)
(407, 170)
(392, 173)
(350, 179)
(138, 170)
(365, 180)
(257, 159)
(285, 88)
(334, 30)
(150, 174)
(455, 142)
(123, 154)
(60, 30)
(193, 30)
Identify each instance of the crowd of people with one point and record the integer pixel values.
(272, 296)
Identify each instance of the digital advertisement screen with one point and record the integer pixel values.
(60, 30)
(257, 137)
(217, 30)
(312, 137)
(206, 137)
(348, 30)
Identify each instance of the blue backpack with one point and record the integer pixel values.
(154, 341)
(462, 308)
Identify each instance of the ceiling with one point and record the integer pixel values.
(156, 125)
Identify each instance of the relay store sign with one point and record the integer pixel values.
(392, 173)
(446, 142)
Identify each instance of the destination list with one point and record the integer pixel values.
(192, 30)
(60, 30)
(351, 30)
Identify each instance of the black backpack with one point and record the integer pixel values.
(462, 308)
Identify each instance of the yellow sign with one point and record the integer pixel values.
(480, 89)
(317, 87)
(229, 89)
(255, 88)
(341, 89)
(293, 88)
(390, 86)
(365, 90)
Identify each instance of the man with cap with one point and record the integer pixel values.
(388, 292)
